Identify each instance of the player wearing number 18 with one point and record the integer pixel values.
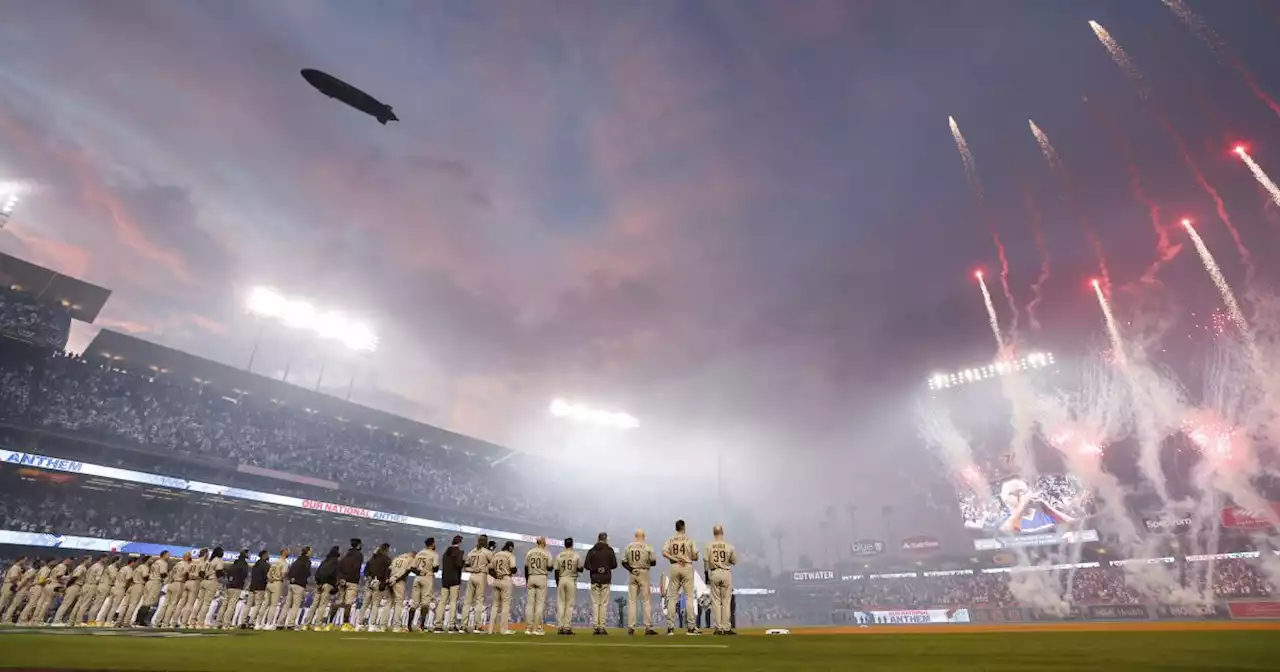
(638, 559)
(720, 559)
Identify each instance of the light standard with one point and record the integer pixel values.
(267, 305)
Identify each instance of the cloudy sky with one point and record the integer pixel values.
(746, 222)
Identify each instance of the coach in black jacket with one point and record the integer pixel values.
(349, 580)
(258, 587)
(450, 579)
(600, 562)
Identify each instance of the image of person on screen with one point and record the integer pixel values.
(1028, 511)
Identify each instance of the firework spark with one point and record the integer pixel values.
(1258, 174)
(1113, 331)
(991, 310)
(1037, 288)
(1219, 281)
(971, 172)
(970, 168)
(1220, 49)
(1121, 57)
(1060, 169)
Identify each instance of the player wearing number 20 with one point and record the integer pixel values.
(720, 558)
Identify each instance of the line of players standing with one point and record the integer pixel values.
(117, 591)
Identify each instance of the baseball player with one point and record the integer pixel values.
(40, 594)
(720, 559)
(191, 587)
(22, 589)
(158, 574)
(401, 566)
(88, 591)
(568, 567)
(210, 574)
(9, 589)
(422, 595)
(237, 578)
(681, 551)
(135, 590)
(299, 578)
(349, 583)
(115, 601)
(71, 593)
(638, 559)
(478, 560)
(450, 578)
(326, 583)
(105, 583)
(501, 568)
(276, 573)
(377, 574)
(171, 605)
(258, 590)
(537, 562)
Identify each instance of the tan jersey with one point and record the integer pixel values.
(426, 562)
(196, 569)
(720, 555)
(537, 562)
(569, 564)
(94, 575)
(160, 569)
(503, 564)
(478, 560)
(141, 572)
(278, 570)
(28, 578)
(123, 577)
(400, 566)
(211, 570)
(681, 547)
(639, 556)
(78, 574)
(108, 577)
(58, 573)
(179, 572)
(14, 574)
(42, 575)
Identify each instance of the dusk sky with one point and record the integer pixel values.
(731, 218)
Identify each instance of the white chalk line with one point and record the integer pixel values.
(615, 645)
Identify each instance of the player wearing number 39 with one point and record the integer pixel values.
(682, 552)
(720, 559)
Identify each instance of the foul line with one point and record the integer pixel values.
(655, 645)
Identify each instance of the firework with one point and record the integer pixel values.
(991, 310)
(1219, 281)
(1220, 49)
(971, 172)
(1060, 169)
(1113, 331)
(1258, 174)
(1121, 58)
(1037, 231)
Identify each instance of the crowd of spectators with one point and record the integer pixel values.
(25, 318)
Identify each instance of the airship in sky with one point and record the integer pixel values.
(336, 88)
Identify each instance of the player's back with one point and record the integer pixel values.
(681, 547)
(503, 564)
(568, 564)
(639, 556)
(720, 555)
(478, 560)
(401, 565)
(537, 562)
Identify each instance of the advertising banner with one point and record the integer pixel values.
(912, 616)
(1006, 615)
(1119, 612)
(921, 545)
(865, 548)
(1244, 519)
(815, 576)
(1176, 525)
(1050, 539)
(1190, 611)
(1262, 610)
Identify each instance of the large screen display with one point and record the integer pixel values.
(1031, 511)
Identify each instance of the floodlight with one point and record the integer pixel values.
(1004, 367)
(9, 205)
(300, 314)
(266, 302)
(587, 415)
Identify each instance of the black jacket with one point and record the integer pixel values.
(300, 571)
(258, 577)
(327, 574)
(379, 567)
(451, 567)
(601, 561)
(349, 566)
(239, 572)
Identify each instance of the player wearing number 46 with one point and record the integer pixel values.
(720, 559)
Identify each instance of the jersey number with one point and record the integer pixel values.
(567, 567)
(637, 557)
(720, 556)
(537, 563)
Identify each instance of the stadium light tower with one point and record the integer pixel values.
(9, 198)
(584, 414)
(271, 306)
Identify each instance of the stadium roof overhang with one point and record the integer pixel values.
(135, 354)
(82, 299)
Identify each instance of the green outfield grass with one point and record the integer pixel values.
(357, 652)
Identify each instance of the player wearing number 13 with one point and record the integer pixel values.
(682, 552)
(720, 558)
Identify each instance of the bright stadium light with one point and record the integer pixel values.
(593, 416)
(300, 314)
(8, 203)
(1031, 362)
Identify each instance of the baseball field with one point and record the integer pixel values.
(1085, 646)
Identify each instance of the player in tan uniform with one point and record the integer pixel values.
(501, 569)
(103, 593)
(119, 588)
(639, 559)
(682, 552)
(191, 588)
(22, 589)
(135, 590)
(568, 566)
(88, 592)
(171, 606)
(279, 569)
(55, 584)
(422, 595)
(9, 589)
(537, 562)
(401, 566)
(720, 559)
(477, 563)
(71, 593)
(36, 594)
(156, 577)
(210, 572)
